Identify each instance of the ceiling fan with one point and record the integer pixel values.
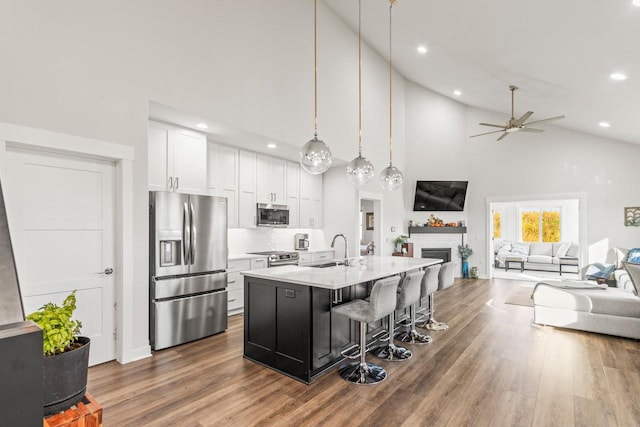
(516, 125)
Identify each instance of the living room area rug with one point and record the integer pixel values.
(520, 295)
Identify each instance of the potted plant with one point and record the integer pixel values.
(66, 355)
(399, 241)
(465, 252)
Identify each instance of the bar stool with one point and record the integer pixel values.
(382, 303)
(428, 286)
(408, 296)
(408, 290)
(445, 280)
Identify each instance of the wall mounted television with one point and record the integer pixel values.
(440, 195)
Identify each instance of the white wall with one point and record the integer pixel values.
(558, 161)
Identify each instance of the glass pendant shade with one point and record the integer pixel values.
(360, 170)
(315, 156)
(391, 178)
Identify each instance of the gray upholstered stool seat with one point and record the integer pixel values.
(428, 287)
(382, 303)
(445, 280)
(409, 296)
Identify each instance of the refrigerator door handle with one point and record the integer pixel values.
(186, 235)
(192, 242)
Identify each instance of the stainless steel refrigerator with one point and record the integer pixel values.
(187, 265)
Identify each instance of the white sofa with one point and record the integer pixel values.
(612, 311)
(537, 256)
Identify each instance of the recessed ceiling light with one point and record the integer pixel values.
(636, 3)
(422, 49)
(604, 125)
(202, 126)
(272, 145)
(457, 92)
(618, 76)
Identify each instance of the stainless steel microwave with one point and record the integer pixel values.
(272, 215)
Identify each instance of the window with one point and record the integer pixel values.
(540, 224)
(497, 230)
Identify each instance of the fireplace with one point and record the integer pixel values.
(441, 253)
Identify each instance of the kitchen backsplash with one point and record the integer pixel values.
(242, 240)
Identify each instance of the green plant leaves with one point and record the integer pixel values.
(58, 327)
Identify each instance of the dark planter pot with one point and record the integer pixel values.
(65, 378)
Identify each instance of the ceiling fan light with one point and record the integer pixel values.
(360, 170)
(391, 178)
(315, 156)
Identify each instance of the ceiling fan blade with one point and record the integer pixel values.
(526, 129)
(503, 136)
(492, 125)
(524, 118)
(545, 120)
(486, 133)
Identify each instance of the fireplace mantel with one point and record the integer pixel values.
(451, 230)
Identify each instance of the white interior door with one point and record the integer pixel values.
(61, 218)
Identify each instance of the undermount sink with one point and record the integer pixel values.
(328, 264)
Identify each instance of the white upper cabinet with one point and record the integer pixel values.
(293, 194)
(177, 159)
(271, 180)
(247, 190)
(310, 200)
(222, 177)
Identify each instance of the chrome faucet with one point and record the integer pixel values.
(346, 247)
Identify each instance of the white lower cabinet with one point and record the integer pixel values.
(310, 258)
(235, 282)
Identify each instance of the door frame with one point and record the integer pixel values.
(377, 199)
(123, 156)
(582, 218)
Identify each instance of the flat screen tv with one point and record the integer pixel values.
(440, 195)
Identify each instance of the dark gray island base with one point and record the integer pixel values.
(289, 326)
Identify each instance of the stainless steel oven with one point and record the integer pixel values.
(278, 258)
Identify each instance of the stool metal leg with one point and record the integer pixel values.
(390, 351)
(412, 336)
(362, 372)
(432, 324)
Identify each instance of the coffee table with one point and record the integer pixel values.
(518, 259)
(568, 260)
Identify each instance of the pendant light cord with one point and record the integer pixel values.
(315, 69)
(391, 2)
(359, 79)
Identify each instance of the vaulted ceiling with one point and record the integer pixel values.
(560, 53)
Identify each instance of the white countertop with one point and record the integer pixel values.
(312, 251)
(340, 276)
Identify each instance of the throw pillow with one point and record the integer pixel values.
(519, 249)
(620, 255)
(573, 250)
(563, 249)
(634, 256)
(634, 275)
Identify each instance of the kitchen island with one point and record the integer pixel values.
(288, 323)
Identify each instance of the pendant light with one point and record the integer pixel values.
(360, 170)
(315, 156)
(391, 178)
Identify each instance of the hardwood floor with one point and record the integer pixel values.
(491, 368)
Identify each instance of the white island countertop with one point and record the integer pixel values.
(340, 276)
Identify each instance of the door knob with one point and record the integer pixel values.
(107, 271)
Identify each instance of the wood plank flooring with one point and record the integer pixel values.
(491, 368)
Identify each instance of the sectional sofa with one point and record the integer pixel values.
(537, 256)
(606, 310)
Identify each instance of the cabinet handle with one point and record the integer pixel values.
(176, 183)
(234, 281)
(340, 295)
(171, 183)
(231, 300)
